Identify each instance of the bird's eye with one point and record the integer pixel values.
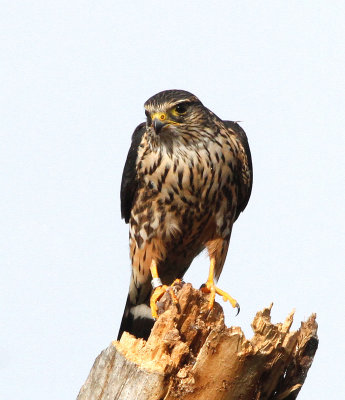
(181, 108)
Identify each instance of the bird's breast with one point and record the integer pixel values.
(178, 191)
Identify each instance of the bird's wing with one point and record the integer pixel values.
(246, 175)
(129, 183)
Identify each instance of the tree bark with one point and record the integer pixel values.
(192, 355)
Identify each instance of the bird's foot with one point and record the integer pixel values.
(158, 293)
(176, 282)
(210, 287)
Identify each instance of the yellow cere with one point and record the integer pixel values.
(160, 116)
(164, 117)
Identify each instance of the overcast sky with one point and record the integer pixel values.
(74, 77)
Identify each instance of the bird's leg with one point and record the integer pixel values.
(159, 289)
(210, 287)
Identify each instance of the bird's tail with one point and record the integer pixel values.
(137, 318)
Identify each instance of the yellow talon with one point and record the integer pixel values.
(159, 291)
(156, 295)
(171, 290)
(210, 287)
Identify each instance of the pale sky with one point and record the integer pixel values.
(74, 77)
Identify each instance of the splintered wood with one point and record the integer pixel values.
(192, 355)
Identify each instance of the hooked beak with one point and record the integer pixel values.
(158, 125)
(159, 120)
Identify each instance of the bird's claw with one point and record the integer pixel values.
(210, 287)
(158, 294)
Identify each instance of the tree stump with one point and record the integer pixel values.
(191, 355)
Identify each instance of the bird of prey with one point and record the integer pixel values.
(187, 177)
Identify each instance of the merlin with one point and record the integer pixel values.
(187, 177)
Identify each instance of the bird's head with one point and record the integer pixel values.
(174, 115)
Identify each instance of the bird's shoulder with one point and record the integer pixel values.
(129, 183)
(246, 168)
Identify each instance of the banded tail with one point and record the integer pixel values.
(137, 318)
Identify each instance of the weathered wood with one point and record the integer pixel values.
(191, 355)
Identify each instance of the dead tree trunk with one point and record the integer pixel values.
(192, 355)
